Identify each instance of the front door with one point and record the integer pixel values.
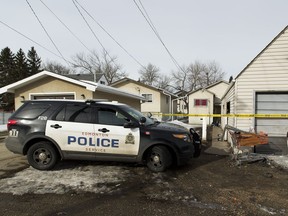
(111, 133)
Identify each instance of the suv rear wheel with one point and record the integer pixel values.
(158, 159)
(42, 156)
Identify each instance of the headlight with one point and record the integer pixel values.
(184, 137)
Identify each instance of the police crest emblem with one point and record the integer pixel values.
(130, 139)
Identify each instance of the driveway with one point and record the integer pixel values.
(209, 185)
(9, 162)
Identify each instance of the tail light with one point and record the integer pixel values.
(11, 122)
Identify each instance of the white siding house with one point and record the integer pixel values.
(206, 101)
(262, 88)
(158, 101)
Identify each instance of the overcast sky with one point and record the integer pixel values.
(229, 32)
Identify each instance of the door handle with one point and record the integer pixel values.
(104, 130)
(56, 126)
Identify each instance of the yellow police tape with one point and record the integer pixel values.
(226, 115)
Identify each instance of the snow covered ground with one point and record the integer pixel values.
(84, 178)
(3, 128)
(281, 161)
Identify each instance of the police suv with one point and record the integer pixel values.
(50, 130)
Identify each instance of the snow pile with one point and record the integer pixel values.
(281, 161)
(3, 128)
(94, 179)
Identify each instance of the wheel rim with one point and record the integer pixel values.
(42, 156)
(155, 160)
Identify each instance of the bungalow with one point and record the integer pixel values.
(48, 85)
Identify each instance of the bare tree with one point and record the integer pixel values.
(165, 83)
(180, 78)
(57, 67)
(99, 64)
(194, 76)
(149, 75)
(198, 75)
(211, 74)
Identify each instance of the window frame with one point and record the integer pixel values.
(200, 102)
(147, 94)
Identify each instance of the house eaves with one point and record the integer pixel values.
(202, 89)
(12, 87)
(282, 32)
(216, 83)
(112, 90)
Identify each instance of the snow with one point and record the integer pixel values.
(281, 160)
(3, 128)
(81, 179)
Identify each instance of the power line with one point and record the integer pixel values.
(66, 26)
(109, 34)
(90, 28)
(29, 39)
(149, 21)
(105, 51)
(46, 32)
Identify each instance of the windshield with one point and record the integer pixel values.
(137, 115)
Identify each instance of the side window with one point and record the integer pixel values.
(148, 97)
(33, 110)
(75, 113)
(109, 116)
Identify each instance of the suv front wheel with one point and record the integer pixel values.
(42, 156)
(158, 159)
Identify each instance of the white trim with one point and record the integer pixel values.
(31, 95)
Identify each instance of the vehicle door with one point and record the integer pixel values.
(111, 136)
(72, 128)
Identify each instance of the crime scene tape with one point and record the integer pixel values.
(226, 115)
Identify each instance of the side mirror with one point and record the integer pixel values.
(142, 120)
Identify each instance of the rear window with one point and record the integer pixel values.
(32, 110)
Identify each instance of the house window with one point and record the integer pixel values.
(228, 107)
(167, 99)
(148, 97)
(200, 102)
(102, 82)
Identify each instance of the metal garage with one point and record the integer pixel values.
(277, 128)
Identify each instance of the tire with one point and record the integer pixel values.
(42, 156)
(158, 159)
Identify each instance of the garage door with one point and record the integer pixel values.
(272, 103)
